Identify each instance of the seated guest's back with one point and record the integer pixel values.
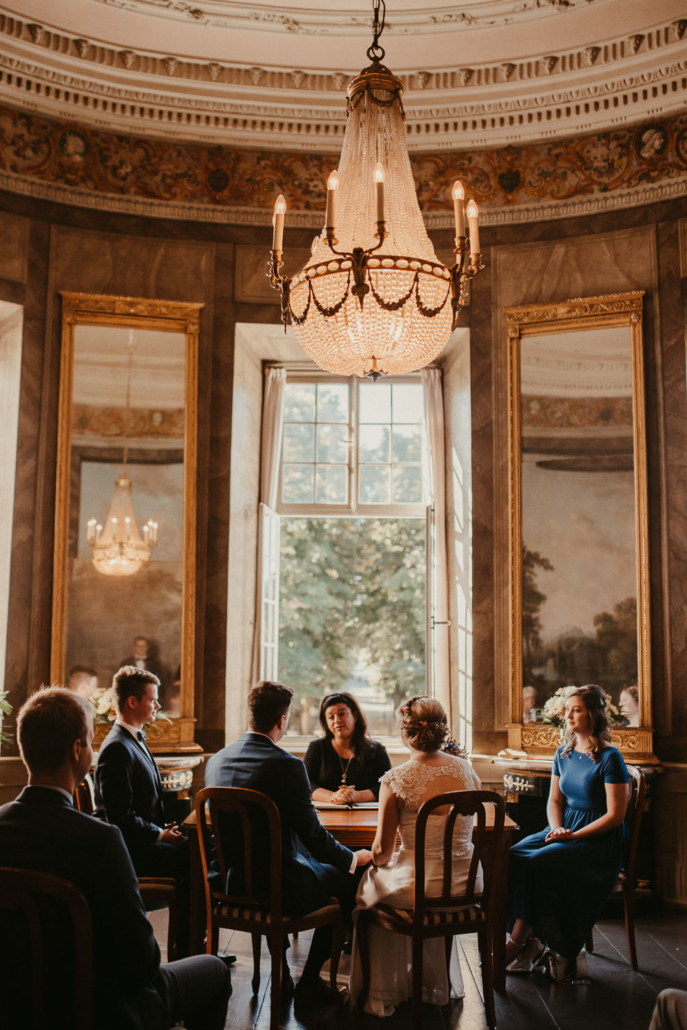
(315, 867)
(345, 765)
(42, 831)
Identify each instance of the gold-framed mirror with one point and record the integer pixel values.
(124, 588)
(579, 568)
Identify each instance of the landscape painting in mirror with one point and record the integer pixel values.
(578, 518)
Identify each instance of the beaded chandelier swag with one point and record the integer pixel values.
(372, 303)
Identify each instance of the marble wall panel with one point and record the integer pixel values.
(14, 253)
(251, 284)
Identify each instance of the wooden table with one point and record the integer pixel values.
(356, 828)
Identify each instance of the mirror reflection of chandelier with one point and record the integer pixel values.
(118, 549)
(368, 302)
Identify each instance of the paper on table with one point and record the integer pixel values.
(323, 805)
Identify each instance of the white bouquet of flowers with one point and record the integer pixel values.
(553, 711)
(105, 711)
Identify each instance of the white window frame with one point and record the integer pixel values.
(353, 507)
(269, 531)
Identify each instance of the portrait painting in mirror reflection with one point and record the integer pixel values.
(125, 555)
(579, 561)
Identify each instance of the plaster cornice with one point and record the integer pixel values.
(583, 89)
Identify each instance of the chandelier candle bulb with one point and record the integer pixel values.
(458, 209)
(379, 183)
(473, 214)
(332, 183)
(279, 212)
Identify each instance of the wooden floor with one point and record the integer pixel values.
(615, 998)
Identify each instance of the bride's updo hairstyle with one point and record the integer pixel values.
(424, 725)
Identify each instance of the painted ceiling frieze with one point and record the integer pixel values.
(221, 184)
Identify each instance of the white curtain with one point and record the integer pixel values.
(435, 493)
(272, 431)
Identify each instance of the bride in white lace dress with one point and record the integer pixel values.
(391, 878)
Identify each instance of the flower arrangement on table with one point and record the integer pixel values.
(553, 711)
(452, 747)
(105, 711)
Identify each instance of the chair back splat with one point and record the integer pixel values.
(23, 892)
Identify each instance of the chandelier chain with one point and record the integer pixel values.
(377, 52)
(127, 421)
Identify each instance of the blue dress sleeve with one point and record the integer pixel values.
(614, 768)
(556, 770)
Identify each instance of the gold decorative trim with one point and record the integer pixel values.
(133, 313)
(616, 309)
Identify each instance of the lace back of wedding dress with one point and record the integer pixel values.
(414, 783)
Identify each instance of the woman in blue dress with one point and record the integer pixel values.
(560, 878)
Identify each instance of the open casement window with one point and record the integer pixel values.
(268, 565)
(352, 447)
(350, 450)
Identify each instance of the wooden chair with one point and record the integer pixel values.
(625, 884)
(156, 892)
(246, 912)
(448, 914)
(19, 890)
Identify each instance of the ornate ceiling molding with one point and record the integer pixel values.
(70, 163)
(552, 96)
(422, 19)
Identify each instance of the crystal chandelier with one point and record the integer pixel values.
(368, 302)
(118, 549)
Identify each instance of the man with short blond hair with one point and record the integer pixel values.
(42, 831)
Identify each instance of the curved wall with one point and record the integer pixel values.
(50, 247)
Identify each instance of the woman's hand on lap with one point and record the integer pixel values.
(559, 834)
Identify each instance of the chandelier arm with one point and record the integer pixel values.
(393, 305)
(429, 312)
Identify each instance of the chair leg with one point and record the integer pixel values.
(172, 930)
(257, 942)
(362, 931)
(590, 941)
(418, 954)
(630, 928)
(487, 977)
(212, 937)
(277, 950)
(448, 944)
(337, 945)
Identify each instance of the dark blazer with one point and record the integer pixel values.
(149, 664)
(42, 831)
(324, 766)
(256, 763)
(128, 789)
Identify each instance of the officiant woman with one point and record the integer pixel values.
(345, 765)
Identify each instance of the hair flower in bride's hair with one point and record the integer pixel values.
(423, 723)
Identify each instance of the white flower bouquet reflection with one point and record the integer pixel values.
(553, 711)
(105, 711)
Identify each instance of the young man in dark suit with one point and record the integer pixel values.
(315, 867)
(43, 831)
(128, 789)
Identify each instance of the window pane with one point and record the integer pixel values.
(407, 484)
(408, 402)
(373, 484)
(407, 443)
(299, 402)
(332, 403)
(332, 443)
(373, 443)
(298, 484)
(331, 484)
(374, 402)
(299, 443)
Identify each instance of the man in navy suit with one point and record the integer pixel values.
(43, 831)
(315, 867)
